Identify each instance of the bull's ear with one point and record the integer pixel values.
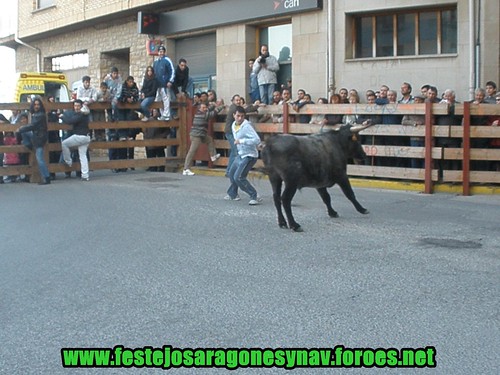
(354, 137)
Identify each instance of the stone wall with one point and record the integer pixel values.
(107, 45)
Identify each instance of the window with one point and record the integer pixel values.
(279, 40)
(68, 62)
(40, 4)
(427, 32)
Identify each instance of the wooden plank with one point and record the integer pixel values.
(405, 130)
(401, 151)
(15, 170)
(479, 109)
(475, 176)
(475, 154)
(476, 131)
(390, 172)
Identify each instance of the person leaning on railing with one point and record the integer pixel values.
(35, 135)
(417, 121)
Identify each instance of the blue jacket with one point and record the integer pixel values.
(164, 71)
(249, 139)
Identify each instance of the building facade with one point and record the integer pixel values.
(321, 45)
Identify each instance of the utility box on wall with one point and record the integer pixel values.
(152, 46)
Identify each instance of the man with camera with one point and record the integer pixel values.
(266, 66)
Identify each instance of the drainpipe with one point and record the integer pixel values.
(472, 49)
(330, 52)
(478, 46)
(19, 41)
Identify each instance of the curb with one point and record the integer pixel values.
(375, 184)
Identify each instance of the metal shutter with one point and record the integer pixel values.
(200, 53)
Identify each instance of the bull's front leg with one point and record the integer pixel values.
(325, 196)
(345, 185)
(286, 200)
(276, 183)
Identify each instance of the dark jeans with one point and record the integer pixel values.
(238, 176)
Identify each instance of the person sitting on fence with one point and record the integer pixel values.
(80, 136)
(35, 135)
(103, 96)
(148, 92)
(87, 94)
(183, 83)
(114, 82)
(199, 135)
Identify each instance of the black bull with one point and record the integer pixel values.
(318, 161)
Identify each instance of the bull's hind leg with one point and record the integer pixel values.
(345, 185)
(325, 196)
(276, 183)
(286, 200)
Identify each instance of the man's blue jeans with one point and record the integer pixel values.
(233, 151)
(266, 93)
(238, 176)
(42, 166)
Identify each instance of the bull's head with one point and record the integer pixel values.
(353, 147)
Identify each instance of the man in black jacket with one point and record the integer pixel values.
(182, 82)
(80, 136)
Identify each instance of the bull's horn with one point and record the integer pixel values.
(335, 127)
(358, 128)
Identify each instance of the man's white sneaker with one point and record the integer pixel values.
(145, 119)
(187, 172)
(228, 198)
(255, 202)
(215, 157)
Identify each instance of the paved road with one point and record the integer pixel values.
(143, 259)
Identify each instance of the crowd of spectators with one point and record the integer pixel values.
(164, 82)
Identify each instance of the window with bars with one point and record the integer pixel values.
(68, 62)
(426, 32)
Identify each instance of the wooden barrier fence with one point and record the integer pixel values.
(387, 145)
(180, 141)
